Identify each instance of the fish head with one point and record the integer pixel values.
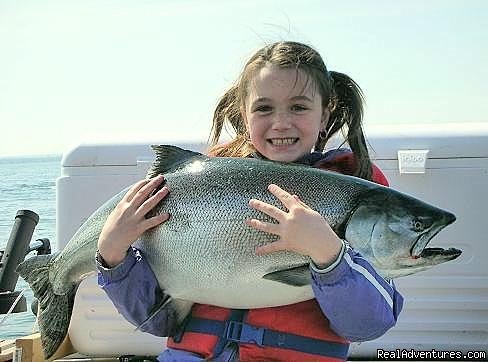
(392, 230)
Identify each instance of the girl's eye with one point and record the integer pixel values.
(262, 109)
(298, 108)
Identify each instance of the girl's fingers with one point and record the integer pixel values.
(268, 209)
(271, 248)
(134, 189)
(263, 226)
(297, 199)
(287, 199)
(154, 221)
(151, 202)
(146, 190)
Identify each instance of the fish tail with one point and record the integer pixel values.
(54, 310)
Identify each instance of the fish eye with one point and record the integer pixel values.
(420, 223)
(417, 225)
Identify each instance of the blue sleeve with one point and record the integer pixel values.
(359, 303)
(134, 290)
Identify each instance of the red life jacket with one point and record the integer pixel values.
(280, 321)
(303, 324)
(344, 161)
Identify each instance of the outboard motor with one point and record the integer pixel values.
(17, 248)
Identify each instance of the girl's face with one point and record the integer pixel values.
(283, 113)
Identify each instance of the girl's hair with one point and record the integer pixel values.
(340, 94)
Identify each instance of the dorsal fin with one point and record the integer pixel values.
(167, 157)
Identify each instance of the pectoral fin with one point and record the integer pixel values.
(297, 276)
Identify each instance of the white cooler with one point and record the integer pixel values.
(446, 308)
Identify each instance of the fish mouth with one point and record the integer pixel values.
(419, 249)
(450, 253)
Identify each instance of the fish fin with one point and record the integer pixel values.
(54, 311)
(297, 276)
(167, 157)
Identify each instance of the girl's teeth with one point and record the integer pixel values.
(283, 141)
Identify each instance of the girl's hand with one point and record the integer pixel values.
(127, 222)
(301, 229)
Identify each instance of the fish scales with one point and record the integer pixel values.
(216, 210)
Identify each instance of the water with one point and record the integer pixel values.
(27, 183)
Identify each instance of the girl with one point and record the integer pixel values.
(284, 104)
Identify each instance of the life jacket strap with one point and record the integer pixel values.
(236, 315)
(239, 332)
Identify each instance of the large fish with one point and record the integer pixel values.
(205, 252)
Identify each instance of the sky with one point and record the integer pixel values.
(83, 71)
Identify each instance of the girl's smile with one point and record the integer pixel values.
(283, 141)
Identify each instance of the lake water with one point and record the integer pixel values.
(27, 183)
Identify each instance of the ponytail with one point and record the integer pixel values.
(346, 107)
(228, 112)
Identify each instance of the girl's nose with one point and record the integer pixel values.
(281, 120)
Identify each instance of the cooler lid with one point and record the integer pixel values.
(442, 140)
(119, 154)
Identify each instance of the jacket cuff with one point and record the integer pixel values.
(332, 265)
(118, 272)
(332, 277)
